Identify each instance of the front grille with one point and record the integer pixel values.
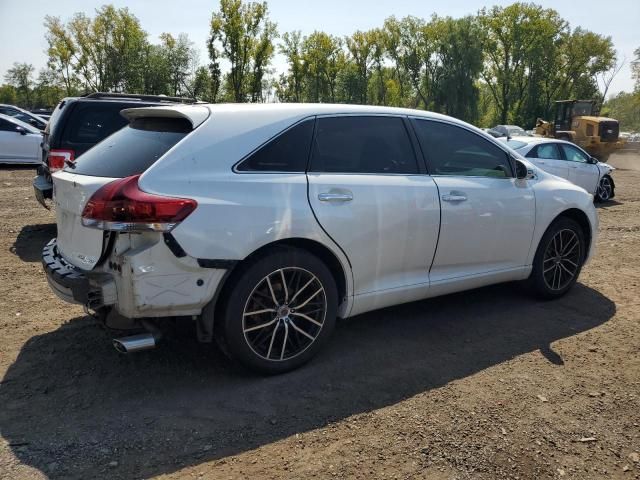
(609, 131)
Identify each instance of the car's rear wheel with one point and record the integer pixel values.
(558, 260)
(605, 189)
(280, 310)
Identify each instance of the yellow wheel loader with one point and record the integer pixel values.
(578, 121)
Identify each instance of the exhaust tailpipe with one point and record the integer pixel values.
(135, 343)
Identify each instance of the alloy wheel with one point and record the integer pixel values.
(561, 259)
(605, 189)
(284, 314)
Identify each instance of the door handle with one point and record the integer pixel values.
(335, 197)
(573, 166)
(454, 197)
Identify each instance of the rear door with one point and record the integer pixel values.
(369, 195)
(548, 157)
(487, 215)
(581, 172)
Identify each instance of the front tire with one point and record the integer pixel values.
(279, 312)
(605, 189)
(558, 260)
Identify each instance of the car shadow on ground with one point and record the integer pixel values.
(608, 203)
(71, 405)
(31, 240)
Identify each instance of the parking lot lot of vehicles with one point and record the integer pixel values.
(487, 384)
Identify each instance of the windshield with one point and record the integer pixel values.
(133, 149)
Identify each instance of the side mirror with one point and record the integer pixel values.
(521, 170)
(593, 160)
(21, 130)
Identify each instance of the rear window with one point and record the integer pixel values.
(133, 149)
(91, 123)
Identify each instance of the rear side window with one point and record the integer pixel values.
(91, 123)
(288, 152)
(453, 150)
(133, 149)
(547, 151)
(362, 144)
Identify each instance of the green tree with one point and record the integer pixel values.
(361, 47)
(20, 76)
(635, 69)
(105, 53)
(291, 85)
(516, 39)
(625, 107)
(180, 57)
(243, 35)
(457, 67)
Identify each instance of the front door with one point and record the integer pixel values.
(487, 215)
(368, 194)
(581, 171)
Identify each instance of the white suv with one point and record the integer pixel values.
(263, 223)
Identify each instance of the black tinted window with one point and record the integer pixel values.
(133, 149)
(288, 152)
(6, 126)
(453, 150)
(91, 123)
(362, 145)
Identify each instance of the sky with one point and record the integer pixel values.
(22, 32)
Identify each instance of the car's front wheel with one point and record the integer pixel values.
(280, 310)
(558, 260)
(605, 189)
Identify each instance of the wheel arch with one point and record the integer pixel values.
(329, 258)
(581, 219)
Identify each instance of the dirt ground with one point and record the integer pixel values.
(489, 384)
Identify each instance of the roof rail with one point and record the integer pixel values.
(134, 96)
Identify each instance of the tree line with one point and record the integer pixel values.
(500, 65)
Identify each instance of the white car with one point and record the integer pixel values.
(263, 223)
(567, 160)
(19, 141)
(23, 115)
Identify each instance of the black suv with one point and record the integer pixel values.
(78, 123)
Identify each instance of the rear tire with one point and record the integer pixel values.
(558, 260)
(279, 311)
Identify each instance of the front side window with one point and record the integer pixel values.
(453, 150)
(362, 144)
(288, 152)
(574, 154)
(546, 151)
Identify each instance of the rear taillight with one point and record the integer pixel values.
(122, 206)
(57, 158)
